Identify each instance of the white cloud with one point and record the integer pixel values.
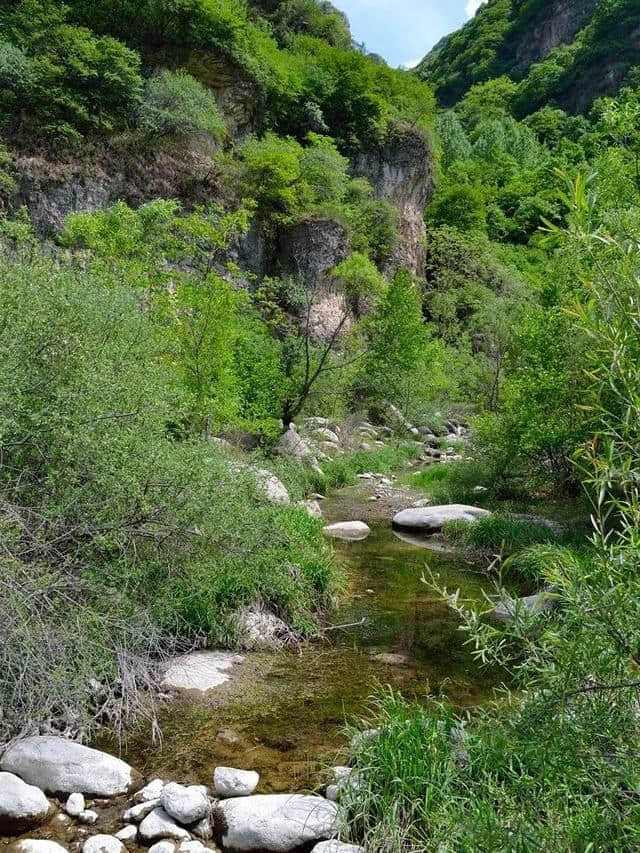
(473, 6)
(411, 63)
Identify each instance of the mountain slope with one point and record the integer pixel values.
(563, 51)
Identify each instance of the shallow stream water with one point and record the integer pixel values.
(284, 714)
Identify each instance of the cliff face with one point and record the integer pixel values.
(554, 24)
(401, 170)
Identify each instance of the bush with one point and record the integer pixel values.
(174, 104)
(149, 541)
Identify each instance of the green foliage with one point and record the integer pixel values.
(499, 534)
(61, 78)
(175, 105)
(460, 207)
(107, 513)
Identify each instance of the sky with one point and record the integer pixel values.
(402, 31)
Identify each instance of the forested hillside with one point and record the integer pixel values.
(561, 52)
(244, 263)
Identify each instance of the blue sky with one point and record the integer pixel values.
(404, 30)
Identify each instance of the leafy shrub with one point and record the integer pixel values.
(174, 104)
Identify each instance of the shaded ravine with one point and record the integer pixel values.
(283, 713)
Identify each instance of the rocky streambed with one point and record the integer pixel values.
(246, 737)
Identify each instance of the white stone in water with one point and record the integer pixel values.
(151, 791)
(128, 833)
(22, 806)
(137, 813)
(102, 844)
(37, 845)
(352, 531)
(431, 519)
(158, 824)
(336, 847)
(200, 670)
(276, 823)
(185, 803)
(230, 782)
(88, 816)
(59, 765)
(75, 804)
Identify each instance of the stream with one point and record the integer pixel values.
(283, 714)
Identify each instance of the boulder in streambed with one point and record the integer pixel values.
(431, 519)
(63, 766)
(530, 605)
(36, 845)
(276, 823)
(351, 531)
(230, 782)
(200, 670)
(103, 844)
(158, 824)
(185, 803)
(22, 806)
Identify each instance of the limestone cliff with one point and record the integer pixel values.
(401, 170)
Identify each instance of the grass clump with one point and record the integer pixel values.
(499, 532)
(454, 482)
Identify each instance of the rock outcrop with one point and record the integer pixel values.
(309, 250)
(22, 806)
(401, 170)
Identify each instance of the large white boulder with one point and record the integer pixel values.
(63, 766)
(431, 519)
(185, 803)
(291, 444)
(37, 845)
(271, 487)
(22, 806)
(158, 824)
(276, 823)
(230, 782)
(199, 670)
(351, 531)
(103, 844)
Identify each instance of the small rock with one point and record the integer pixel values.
(102, 844)
(271, 487)
(158, 824)
(203, 829)
(185, 804)
(480, 490)
(260, 630)
(22, 806)
(531, 605)
(61, 817)
(194, 846)
(162, 847)
(336, 847)
(88, 816)
(332, 793)
(151, 791)
(353, 531)
(326, 434)
(312, 507)
(391, 658)
(137, 813)
(230, 782)
(75, 804)
(228, 737)
(316, 496)
(366, 476)
(128, 833)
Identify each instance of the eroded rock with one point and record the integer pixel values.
(230, 782)
(352, 531)
(103, 844)
(201, 670)
(431, 519)
(158, 824)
